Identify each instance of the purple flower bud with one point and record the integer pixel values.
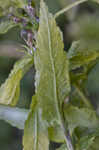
(10, 15)
(31, 52)
(34, 48)
(37, 19)
(23, 34)
(16, 20)
(24, 21)
(30, 11)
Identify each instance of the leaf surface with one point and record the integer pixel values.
(81, 117)
(79, 57)
(52, 77)
(85, 143)
(14, 116)
(95, 145)
(15, 3)
(10, 90)
(35, 132)
(6, 25)
(97, 1)
(89, 141)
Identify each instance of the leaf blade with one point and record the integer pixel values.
(6, 25)
(81, 117)
(35, 132)
(51, 65)
(14, 116)
(10, 90)
(79, 56)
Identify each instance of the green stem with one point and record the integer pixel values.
(64, 126)
(69, 7)
(83, 97)
(67, 138)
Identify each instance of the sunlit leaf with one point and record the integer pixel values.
(52, 78)
(56, 134)
(14, 116)
(35, 132)
(10, 90)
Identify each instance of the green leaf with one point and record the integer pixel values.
(14, 116)
(1, 11)
(79, 57)
(16, 3)
(56, 133)
(35, 132)
(63, 147)
(52, 77)
(20, 4)
(97, 1)
(52, 74)
(85, 143)
(4, 4)
(81, 117)
(35, 137)
(67, 8)
(6, 25)
(95, 145)
(10, 90)
(82, 73)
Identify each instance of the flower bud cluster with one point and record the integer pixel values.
(29, 23)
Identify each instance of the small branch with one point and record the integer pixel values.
(69, 7)
(83, 97)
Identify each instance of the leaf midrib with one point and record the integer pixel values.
(53, 67)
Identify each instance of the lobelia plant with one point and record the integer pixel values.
(59, 112)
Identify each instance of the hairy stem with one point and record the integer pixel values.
(69, 7)
(83, 97)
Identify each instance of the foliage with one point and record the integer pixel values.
(10, 90)
(52, 115)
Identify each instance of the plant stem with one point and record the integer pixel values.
(69, 7)
(68, 138)
(64, 126)
(83, 97)
(69, 142)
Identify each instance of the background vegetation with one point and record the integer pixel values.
(82, 22)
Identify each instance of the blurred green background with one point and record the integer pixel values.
(82, 22)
